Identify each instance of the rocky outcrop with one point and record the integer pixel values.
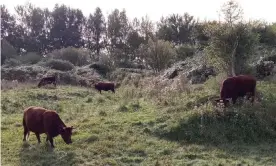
(264, 68)
(194, 69)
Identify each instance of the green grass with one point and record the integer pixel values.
(135, 127)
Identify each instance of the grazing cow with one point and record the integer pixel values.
(40, 120)
(48, 80)
(106, 86)
(238, 86)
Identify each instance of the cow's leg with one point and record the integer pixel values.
(234, 99)
(113, 90)
(47, 139)
(253, 95)
(26, 131)
(51, 141)
(38, 137)
(55, 83)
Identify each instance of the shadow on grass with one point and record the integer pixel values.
(238, 133)
(43, 154)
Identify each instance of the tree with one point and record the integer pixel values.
(117, 32)
(159, 54)
(34, 22)
(95, 30)
(177, 29)
(231, 41)
(134, 38)
(66, 27)
(10, 31)
(147, 28)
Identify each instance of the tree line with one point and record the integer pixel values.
(175, 37)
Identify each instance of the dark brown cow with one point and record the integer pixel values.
(48, 80)
(40, 120)
(106, 86)
(238, 86)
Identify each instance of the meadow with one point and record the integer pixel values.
(139, 127)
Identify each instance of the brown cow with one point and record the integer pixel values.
(40, 120)
(238, 86)
(106, 86)
(48, 80)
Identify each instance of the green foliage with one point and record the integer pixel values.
(101, 68)
(222, 41)
(159, 54)
(267, 34)
(184, 51)
(126, 128)
(78, 57)
(177, 29)
(22, 73)
(12, 62)
(30, 58)
(58, 64)
(94, 30)
(7, 51)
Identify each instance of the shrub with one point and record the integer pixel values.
(184, 51)
(30, 58)
(78, 57)
(12, 62)
(22, 73)
(160, 54)
(58, 64)
(101, 68)
(7, 51)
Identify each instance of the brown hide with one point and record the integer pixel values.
(40, 120)
(238, 86)
(105, 86)
(47, 80)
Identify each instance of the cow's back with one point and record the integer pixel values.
(238, 86)
(33, 119)
(246, 84)
(105, 85)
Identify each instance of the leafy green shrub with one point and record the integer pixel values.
(22, 73)
(58, 64)
(78, 57)
(30, 58)
(160, 54)
(184, 51)
(7, 51)
(101, 68)
(12, 62)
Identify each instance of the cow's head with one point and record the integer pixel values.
(224, 101)
(66, 133)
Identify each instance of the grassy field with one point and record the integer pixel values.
(135, 127)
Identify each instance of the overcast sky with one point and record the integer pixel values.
(202, 9)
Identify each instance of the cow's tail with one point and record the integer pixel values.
(23, 122)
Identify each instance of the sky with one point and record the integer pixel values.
(203, 9)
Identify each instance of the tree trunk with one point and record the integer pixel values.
(233, 57)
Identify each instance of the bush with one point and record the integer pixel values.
(78, 57)
(160, 54)
(7, 51)
(11, 62)
(58, 64)
(30, 58)
(184, 51)
(22, 73)
(101, 68)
